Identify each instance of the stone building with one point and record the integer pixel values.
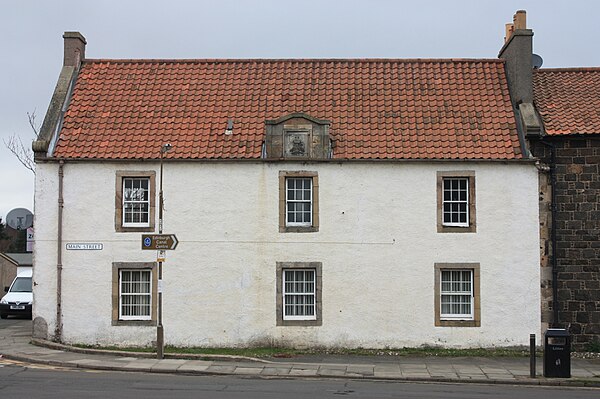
(336, 203)
(558, 112)
(568, 101)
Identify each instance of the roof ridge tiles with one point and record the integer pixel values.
(570, 69)
(291, 60)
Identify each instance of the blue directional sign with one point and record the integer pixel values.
(159, 241)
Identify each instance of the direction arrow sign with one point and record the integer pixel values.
(159, 241)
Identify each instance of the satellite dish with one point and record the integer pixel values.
(19, 219)
(536, 61)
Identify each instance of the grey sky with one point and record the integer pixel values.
(566, 34)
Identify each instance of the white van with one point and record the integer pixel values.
(19, 297)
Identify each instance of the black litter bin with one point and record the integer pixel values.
(557, 353)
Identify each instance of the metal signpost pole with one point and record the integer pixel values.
(160, 338)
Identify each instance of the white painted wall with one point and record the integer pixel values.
(377, 241)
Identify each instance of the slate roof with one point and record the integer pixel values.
(568, 100)
(378, 108)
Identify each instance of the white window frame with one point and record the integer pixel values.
(288, 201)
(147, 202)
(304, 294)
(458, 316)
(466, 202)
(148, 294)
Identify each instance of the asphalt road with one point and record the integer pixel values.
(31, 381)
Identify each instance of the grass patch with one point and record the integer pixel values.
(281, 352)
(426, 351)
(261, 352)
(117, 348)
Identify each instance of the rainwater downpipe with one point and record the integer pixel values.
(553, 208)
(58, 328)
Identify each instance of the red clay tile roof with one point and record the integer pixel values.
(379, 109)
(568, 100)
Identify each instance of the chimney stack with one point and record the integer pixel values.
(517, 52)
(74, 49)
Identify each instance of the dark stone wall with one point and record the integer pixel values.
(578, 233)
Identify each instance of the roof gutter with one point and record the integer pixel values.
(287, 160)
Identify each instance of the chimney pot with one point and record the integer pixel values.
(510, 28)
(74, 49)
(520, 19)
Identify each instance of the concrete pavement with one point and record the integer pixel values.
(16, 344)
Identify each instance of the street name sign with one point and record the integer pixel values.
(159, 241)
(84, 246)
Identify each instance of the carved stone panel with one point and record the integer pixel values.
(297, 136)
(296, 143)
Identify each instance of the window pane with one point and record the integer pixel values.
(456, 293)
(135, 294)
(454, 196)
(447, 213)
(455, 217)
(136, 200)
(455, 201)
(309, 286)
(299, 201)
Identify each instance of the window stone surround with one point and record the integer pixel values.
(116, 266)
(283, 228)
(475, 267)
(120, 175)
(280, 267)
(441, 228)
